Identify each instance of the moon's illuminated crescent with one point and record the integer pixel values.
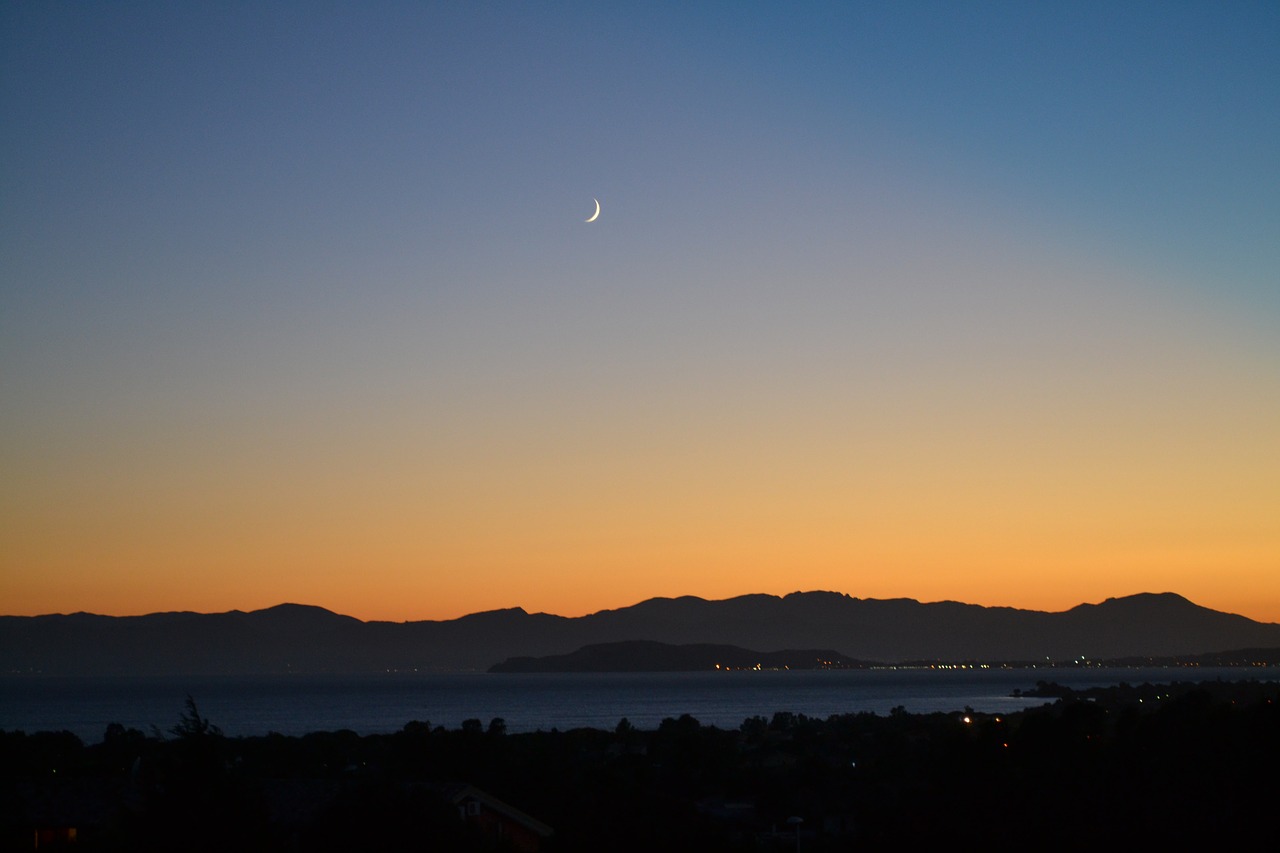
(593, 216)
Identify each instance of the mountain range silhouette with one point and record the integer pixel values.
(306, 639)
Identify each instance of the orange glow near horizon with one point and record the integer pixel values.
(430, 608)
(888, 515)
(1003, 531)
(305, 310)
(1033, 501)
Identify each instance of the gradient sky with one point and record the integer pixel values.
(941, 300)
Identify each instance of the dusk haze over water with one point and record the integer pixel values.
(948, 301)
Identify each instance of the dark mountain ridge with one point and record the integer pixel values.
(305, 639)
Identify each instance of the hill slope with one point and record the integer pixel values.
(295, 638)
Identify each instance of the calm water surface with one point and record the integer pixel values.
(369, 704)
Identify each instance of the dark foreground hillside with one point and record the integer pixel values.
(1183, 765)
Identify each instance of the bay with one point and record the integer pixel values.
(384, 702)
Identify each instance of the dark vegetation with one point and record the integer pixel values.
(1181, 765)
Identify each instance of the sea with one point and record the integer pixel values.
(385, 702)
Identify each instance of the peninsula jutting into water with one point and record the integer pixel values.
(647, 656)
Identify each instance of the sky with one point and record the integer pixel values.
(975, 302)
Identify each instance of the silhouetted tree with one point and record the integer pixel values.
(193, 726)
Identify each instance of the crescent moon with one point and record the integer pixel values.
(595, 215)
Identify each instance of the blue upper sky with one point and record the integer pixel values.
(241, 233)
(1149, 127)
